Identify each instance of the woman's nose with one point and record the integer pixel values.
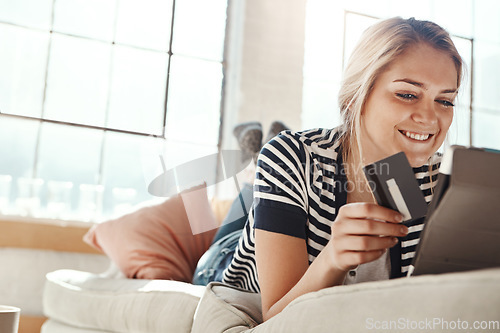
(426, 114)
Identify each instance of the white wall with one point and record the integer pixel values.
(265, 57)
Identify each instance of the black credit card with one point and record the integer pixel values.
(394, 186)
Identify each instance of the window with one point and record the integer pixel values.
(93, 92)
(333, 28)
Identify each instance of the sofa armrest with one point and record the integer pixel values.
(91, 301)
(400, 305)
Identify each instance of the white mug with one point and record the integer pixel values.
(9, 319)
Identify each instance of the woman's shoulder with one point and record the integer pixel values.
(316, 138)
(319, 144)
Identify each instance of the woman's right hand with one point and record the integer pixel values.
(361, 233)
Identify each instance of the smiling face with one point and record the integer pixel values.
(410, 107)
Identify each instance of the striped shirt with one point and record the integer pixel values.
(300, 185)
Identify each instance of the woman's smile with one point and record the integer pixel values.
(416, 135)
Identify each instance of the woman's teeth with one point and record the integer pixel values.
(416, 136)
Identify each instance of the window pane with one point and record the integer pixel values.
(176, 153)
(123, 175)
(194, 100)
(485, 129)
(460, 21)
(324, 22)
(459, 132)
(68, 153)
(173, 154)
(319, 104)
(486, 22)
(486, 75)
(22, 64)
(368, 7)
(77, 83)
(199, 28)
(89, 18)
(137, 96)
(152, 148)
(17, 146)
(144, 23)
(354, 27)
(31, 13)
(407, 8)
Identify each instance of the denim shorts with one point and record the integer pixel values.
(213, 263)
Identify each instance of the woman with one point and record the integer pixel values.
(313, 224)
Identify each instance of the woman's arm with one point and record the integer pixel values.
(284, 271)
(360, 234)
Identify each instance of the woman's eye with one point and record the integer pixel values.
(406, 96)
(446, 103)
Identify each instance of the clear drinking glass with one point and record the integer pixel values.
(59, 198)
(90, 203)
(5, 184)
(28, 196)
(123, 200)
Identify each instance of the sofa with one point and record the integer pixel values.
(82, 302)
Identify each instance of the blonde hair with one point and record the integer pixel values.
(378, 47)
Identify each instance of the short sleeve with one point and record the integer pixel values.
(280, 191)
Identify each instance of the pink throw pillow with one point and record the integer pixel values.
(158, 242)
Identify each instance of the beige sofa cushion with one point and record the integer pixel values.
(85, 300)
(77, 299)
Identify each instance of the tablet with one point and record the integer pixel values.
(462, 226)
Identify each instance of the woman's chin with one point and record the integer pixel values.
(417, 161)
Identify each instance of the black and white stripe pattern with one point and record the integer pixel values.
(300, 184)
(427, 181)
